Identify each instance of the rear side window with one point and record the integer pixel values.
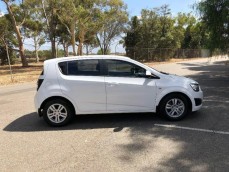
(81, 67)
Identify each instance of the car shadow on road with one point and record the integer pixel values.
(32, 123)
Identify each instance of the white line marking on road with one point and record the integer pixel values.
(193, 129)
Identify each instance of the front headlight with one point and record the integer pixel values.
(195, 86)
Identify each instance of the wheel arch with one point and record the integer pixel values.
(55, 98)
(176, 93)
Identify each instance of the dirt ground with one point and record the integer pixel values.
(20, 74)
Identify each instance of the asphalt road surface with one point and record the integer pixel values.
(120, 142)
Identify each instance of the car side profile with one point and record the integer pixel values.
(111, 84)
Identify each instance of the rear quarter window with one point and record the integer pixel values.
(90, 67)
(63, 67)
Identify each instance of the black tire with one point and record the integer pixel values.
(177, 112)
(67, 113)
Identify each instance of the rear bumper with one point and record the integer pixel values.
(37, 105)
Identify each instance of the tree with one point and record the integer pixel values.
(81, 18)
(50, 9)
(157, 35)
(16, 25)
(132, 38)
(7, 40)
(33, 27)
(166, 23)
(133, 34)
(65, 39)
(115, 18)
(90, 42)
(68, 18)
(90, 22)
(215, 16)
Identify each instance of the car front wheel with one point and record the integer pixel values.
(174, 107)
(57, 113)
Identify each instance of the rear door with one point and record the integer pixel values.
(127, 87)
(82, 81)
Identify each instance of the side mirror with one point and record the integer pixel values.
(148, 73)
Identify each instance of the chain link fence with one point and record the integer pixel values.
(163, 54)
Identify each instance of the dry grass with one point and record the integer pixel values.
(173, 60)
(20, 74)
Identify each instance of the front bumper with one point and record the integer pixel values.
(40, 112)
(197, 101)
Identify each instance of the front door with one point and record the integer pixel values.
(127, 88)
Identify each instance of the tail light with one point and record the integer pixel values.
(39, 82)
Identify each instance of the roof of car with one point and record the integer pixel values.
(59, 59)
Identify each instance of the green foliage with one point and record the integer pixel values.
(156, 29)
(7, 39)
(100, 52)
(47, 54)
(3, 56)
(17, 15)
(114, 19)
(215, 16)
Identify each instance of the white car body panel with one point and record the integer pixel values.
(88, 92)
(103, 94)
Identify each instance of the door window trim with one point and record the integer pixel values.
(105, 69)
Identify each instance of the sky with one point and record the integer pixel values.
(134, 8)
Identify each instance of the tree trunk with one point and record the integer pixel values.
(66, 51)
(81, 41)
(73, 38)
(8, 57)
(37, 57)
(18, 33)
(53, 42)
(22, 51)
(65, 45)
(51, 28)
(36, 49)
(87, 49)
(80, 49)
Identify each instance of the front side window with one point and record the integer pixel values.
(120, 68)
(89, 67)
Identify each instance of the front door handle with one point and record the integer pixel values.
(111, 84)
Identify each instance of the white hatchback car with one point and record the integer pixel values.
(111, 84)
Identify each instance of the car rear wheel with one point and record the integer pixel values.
(57, 113)
(174, 107)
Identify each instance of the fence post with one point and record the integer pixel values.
(160, 55)
(8, 57)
